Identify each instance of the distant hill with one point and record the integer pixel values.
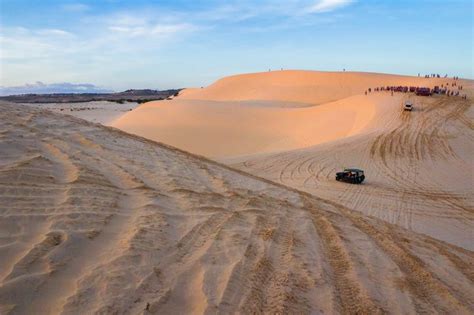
(139, 96)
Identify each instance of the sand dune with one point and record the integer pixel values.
(102, 112)
(310, 87)
(97, 221)
(418, 165)
(222, 129)
(265, 112)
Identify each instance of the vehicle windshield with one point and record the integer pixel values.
(351, 172)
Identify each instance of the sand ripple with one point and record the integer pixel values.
(93, 220)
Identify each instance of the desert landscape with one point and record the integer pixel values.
(96, 220)
(288, 132)
(236, 157)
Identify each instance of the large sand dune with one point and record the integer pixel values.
(300, 127)
(223, 129)
(310, 87)
(419, 168)
(265, 112)
(97, 221)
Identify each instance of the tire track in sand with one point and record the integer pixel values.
(431, 292)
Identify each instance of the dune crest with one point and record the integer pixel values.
(310, 87)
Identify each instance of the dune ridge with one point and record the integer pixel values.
(96, 220)
(266, 112)
(311, 87)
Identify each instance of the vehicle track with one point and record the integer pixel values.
(400, 157)
(193, 236)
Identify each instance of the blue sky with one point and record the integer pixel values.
(118, 44)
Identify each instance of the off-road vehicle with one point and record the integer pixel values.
(408, 106)
(351, 175)
(423, 91)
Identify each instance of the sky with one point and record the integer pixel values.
(118, 44)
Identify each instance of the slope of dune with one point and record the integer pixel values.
(419, 167)
(265, 112)
(93, 220)
(220, 129)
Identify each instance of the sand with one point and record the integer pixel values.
(311, 87)
(94, 220)
(102, 112)
(264, 112)
(418, 165)
(299, 128)
(222, 129)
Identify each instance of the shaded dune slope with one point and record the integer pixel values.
(95, 220)
(265, 112)
(222, 129)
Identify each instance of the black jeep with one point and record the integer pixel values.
(351, 175)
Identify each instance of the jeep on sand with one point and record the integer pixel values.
(351, 175)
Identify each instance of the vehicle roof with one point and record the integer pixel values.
(353, 170)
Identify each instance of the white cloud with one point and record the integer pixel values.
(126, 19)
(142, 24)
(43, 88)
(53, 32)
(96, 45)
(236, 11)
(75, 7)
(328, 5)
(172, 28)
(152, 29)
(19, 43)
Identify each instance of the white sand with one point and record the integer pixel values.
(102, 112)
(419, 165)
(264, 112)
(93, 220)
(220, 129)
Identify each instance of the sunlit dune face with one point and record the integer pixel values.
(266, 112)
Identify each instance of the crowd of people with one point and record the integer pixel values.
(437, 75)
(448, 89)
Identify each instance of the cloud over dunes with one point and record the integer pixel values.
(151, 29)
(75, 7)
(43, 88)
(328, 5)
